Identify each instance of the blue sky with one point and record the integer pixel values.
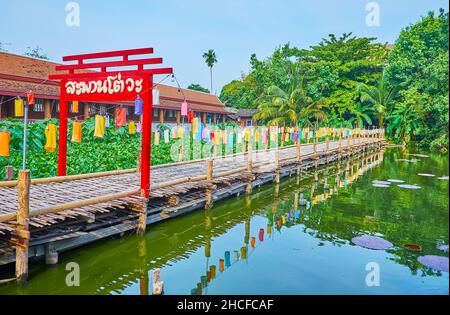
(180, 31)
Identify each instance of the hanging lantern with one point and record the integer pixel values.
(184, 108)
(138, 106)
(155, 96)
(30, 98)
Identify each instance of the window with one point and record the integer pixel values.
(92, 108)
(171, 113)
(102, 110)
(155, 112)
(38, 105)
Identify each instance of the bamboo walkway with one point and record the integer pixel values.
(59, 200)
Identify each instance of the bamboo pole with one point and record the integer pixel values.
(23, 225)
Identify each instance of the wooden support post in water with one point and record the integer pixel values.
(277, 167)
(23, 192)
(9, 172)
(327, 149)
(158, 285)
(142, 219)
(209, 176)
(299, 160)
(248, 187)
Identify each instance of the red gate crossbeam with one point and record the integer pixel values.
(147, 96)
(71, 76)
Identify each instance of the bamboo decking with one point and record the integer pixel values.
(59, 207)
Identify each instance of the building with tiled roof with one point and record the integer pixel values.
(20, 74)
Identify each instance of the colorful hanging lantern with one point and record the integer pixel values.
(18, 107)
(184, 108)
(4, 143)
(155, 96)
(138, 106)
(30, 98)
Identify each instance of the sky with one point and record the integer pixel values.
(181, 31)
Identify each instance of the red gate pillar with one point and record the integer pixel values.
(62, 148)
(147, 97)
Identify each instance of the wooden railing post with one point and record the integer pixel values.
(23, 192)
(138, 161)
(9, 172)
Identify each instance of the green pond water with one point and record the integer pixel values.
(266, 244)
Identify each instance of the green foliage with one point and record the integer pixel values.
(198, 87)
(36, 52)
(330, 72)
(418, 65)
(117, 150)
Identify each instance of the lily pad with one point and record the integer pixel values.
(406, 186)
(442, 247)
(395, 180)
(372, 242)
(426, 174)
(434, 262)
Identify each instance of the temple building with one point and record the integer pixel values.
(20, 74)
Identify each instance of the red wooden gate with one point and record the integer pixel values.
(103, 85)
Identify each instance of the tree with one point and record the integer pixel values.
(419, 63)
(197, 87)
(407, 120)
(210, 59)
(361, 114)
(36, 52)
(288, 107)
(2, 47)
(379, 96)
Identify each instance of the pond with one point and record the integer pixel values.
(269, 243)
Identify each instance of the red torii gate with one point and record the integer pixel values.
(107, 85)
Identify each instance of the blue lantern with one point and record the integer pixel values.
(138, 106)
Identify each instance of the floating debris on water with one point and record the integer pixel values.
(381, 185)
(442, 247)
(395, 181)
(406, 160)
(372, 242)
(409, 186)
(443, 177)
(381, 182)
(434, 262)
(419, 155)
(413, 247)
(426, 174)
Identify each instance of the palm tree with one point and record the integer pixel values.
(210, 59)
(379, 96)
(361, 113)
(283, 108)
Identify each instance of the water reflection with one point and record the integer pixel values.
(332, 204)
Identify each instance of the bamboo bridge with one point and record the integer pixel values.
(41, 217)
